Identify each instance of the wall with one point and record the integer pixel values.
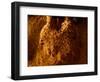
(5, 40)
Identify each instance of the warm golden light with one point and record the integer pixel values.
(55, 40)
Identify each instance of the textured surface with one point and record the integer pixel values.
(57, 40)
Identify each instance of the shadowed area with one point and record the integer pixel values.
(56, 40)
